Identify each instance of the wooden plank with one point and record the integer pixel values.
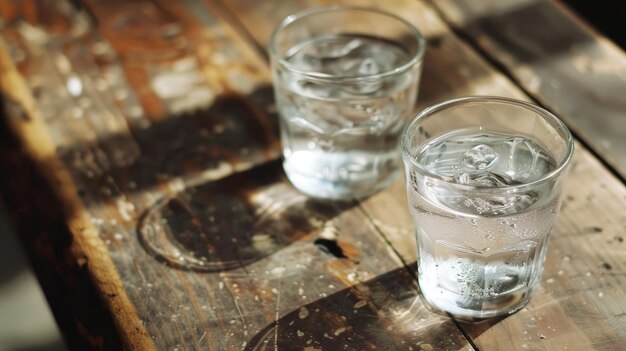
(134, 161)
(560, 61)
(579, 304)
(76, 270)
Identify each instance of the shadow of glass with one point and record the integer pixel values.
(233, 129)
(232, 222)
(382, 313)
(477, 327)
(235, 133)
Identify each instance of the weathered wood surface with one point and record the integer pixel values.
(556, 58)
(580, 303)
(165, 139)
(132, 122)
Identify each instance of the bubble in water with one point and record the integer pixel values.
(479, 157)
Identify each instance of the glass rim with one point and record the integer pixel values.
(417, 57)
(547, 115)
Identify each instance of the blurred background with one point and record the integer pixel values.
(26, 323)
(605, 16)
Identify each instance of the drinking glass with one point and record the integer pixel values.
(345, 81)
(483, 178)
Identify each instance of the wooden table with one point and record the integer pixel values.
(127, 117)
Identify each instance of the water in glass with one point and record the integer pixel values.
(482, 252)
(340, 128)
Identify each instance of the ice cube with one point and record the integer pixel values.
(319, 117)
(484, 179)
(337, 49)
(306, 124)
(335, 57)
(364, 87)
(315, 89)
(368, 67)
(479, 157)
(309, 63)
(499, 205)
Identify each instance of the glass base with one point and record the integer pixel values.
(338, 190)
(476, 310)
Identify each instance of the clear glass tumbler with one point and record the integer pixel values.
(345, 81)
(484, 183)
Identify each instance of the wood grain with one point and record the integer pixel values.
(578, 306)
(173, 138)
(560, 61)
